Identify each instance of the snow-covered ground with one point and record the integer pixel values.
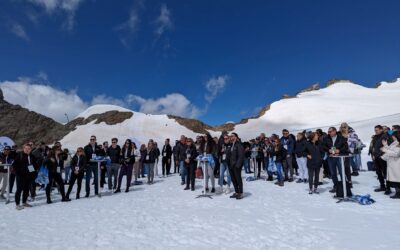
(163, 216)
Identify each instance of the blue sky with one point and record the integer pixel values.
(214, 60)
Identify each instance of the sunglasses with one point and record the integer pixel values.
(92, 139)
(79, 151)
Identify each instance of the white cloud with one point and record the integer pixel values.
(214, 86)
(43, 99)
(129, 27)
(19, 31)
(174, 104)
(47, 100)
(163, 21)
(104, 99)
(68, 7)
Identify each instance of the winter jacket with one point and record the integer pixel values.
(167, 151)
(391, 154)
(114, 154)
(127, 155)
(81, 163)
(151, 156)
(21, 163)
(376, 145)
(90, 151)
(191, 154)
(288, 143)
(5, 160)
(316, 152)
(54, 165)
(280, 154)
(301, 148)
(180, 152)
(225, 152)
(340, 144)
(236, 156)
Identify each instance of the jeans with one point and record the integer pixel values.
(113, 172)
(356, 162)
(334, 165)
(67, 173)
(89, 170)
(150, 174)
(279, 171)
(266, 164)
(182, 170)
(247, 165)
(222, 169)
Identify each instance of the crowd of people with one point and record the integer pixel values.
(306, 157)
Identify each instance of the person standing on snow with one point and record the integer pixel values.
(314, 153)
(91, 151)
(391, 154)
(55, 164)
(166, 158)
(78, 165)
(236, 158)
(301, 157)
(288, 144)
(224, 167)
(127, 160)
(190, 164)
(25, 166)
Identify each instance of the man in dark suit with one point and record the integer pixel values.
(335, 144)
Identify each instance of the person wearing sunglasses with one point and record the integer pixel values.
(336, 144)
(224, 156)
(190, 164)
(236, 158)
(288, 144)
(92, 150)
(114, 152)
(78, 165)
(55, 164)
(127, 161)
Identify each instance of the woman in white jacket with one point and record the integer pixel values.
(392, 157)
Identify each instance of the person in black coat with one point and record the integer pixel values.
(127, 161)
(92, 150)
(335, 144)
(301, 157)
(78, 165)
(150, 160)
(379, 163)
(25, 166)
(236, 159)
(55, 164)
(190, 164)
(315, 154)
(166, 158)
(114, 152)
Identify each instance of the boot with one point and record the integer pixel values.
(381, 189)
(49, 201)
(186, 188)
(281, 184)
(388, 191)
(233, 196)
(239, 197)
(396, 195)
(117, 191)
(270, 178)
(127, 190)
